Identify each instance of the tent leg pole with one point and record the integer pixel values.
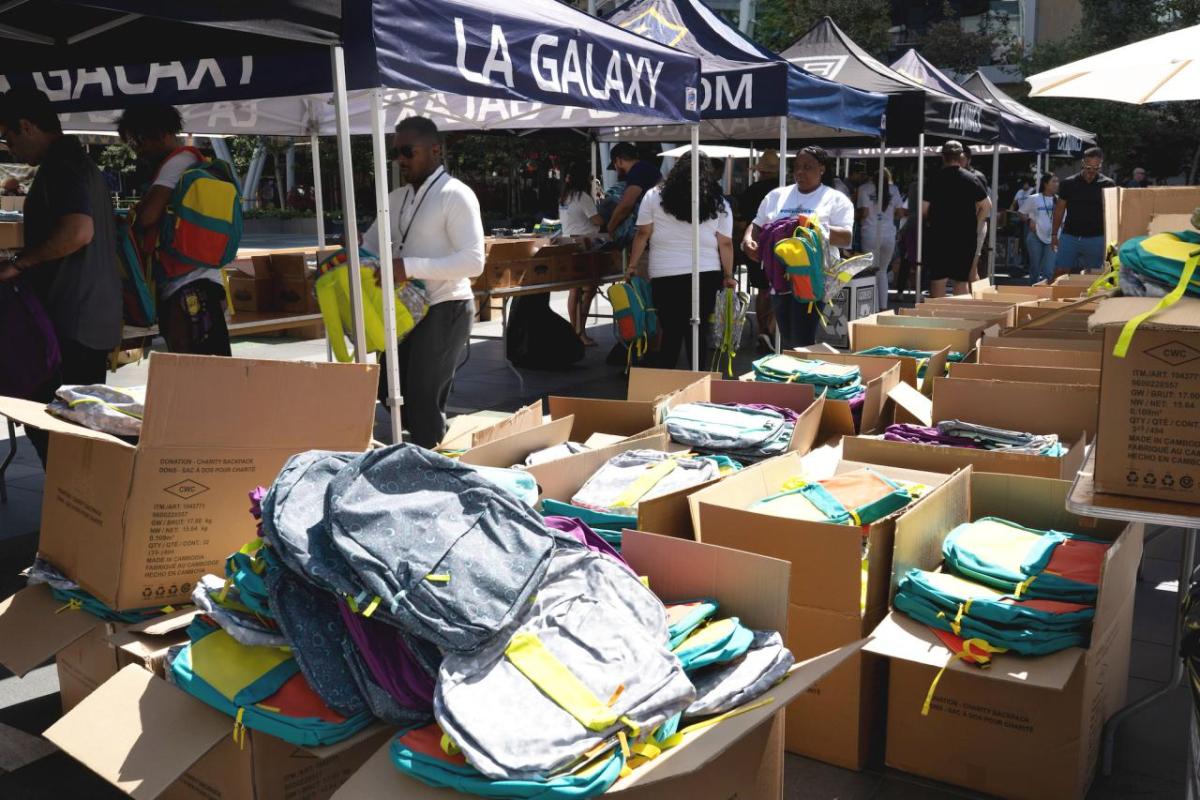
(318, 193)
(386, 279)
(920, 216)
(995, 214)
(783, 154)
(349, 213)
(881, 302)
(695, 247)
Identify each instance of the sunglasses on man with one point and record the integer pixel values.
(403, 151)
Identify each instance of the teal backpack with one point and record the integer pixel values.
(1023, 626)
(684, 618)
(609, 526)
(922, 356)
(716, 642)
(835, 381)
(261, 688)
(860, 497)
(138, 303)
(203, 224)
(1050, 565)
(635, 322)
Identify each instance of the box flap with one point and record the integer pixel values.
(32, 630)
(560, 479)
(1027, 373)
(35, 415)
(460, 430)
(522, 419)
(280, 404)
(622, 417)
(1065, 409)
(514, 448)
(1183, 316)
(598, 440)
(820, 347)
(331, 750)
(138, 732)
(935, 368)
(168, 623)
(917, 405)
(921, 530)
(899, 636)
(379, 777)
(650, 384)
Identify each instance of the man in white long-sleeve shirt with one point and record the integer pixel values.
(437, 237)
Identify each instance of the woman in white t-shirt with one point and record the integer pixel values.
(1039, 211)
(809, 195)
(664, 224)
(879, 227)
(579, 218)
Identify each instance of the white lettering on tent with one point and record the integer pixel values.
(491, 105)
(56, 95)
(614, 79)
(498, 59)
(572, 72)
(127, 86)
(460, 35)
(635, 80)
(206, 66)
(233, 116)
(547, 81)
(705, 93)
(966, 117)
(86, 77)
(598, 92)
(744, 97)
(652, 74)
(247, 69)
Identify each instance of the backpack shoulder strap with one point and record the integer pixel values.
(185, 149)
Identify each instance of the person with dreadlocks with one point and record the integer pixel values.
(664, 224)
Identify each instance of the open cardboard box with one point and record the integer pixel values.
(997, 351)
(1028, 374)
(1149, 440)
(916, 333)
(137, 525)
(878, 375)
(1038, 291)
(1025, 727)
(150, 739)
(1002, 317)
(740, 757)
(910, 368)
(1068, 410)
(1138, 212)
(839, 720)
(474, 430)
(650, 394)
(513, 449)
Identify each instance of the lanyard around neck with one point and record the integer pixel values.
(430, 183)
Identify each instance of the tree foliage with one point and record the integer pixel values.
(781, 22)
(948, 45)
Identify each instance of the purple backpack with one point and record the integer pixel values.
(391, 661)
(29, 354)
(586, 536)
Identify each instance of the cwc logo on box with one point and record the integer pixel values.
(1173, 353)
(185, 490)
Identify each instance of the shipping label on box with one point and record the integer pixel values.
(1149, 439)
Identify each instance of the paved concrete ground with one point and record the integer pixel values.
(1151, 754)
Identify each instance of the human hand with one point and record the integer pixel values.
(750, 248)
(729, 282)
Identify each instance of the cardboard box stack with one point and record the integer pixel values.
(274, 282)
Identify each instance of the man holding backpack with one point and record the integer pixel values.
(69, 259)
(191, 294)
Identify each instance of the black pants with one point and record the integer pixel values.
(428, 360)
(193, 320)
(797, 322)
(673, 303)
(80, 366)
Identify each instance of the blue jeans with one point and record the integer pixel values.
(1080, 252)
(1041, 258)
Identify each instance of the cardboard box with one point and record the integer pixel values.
(510, 249)
(910, 368)
(855, 300)
(1046, 339)
(1138, 212)
(1026, 727)
(12, 202)
(878, 374)
(289, 265)
(296, 295)
(1149, 440)
(472, 430)
(995, 315)
(1037, 357)
(160, 742)
(915, 333)
(513, 449)
(260, 266)
(12, 235)
(1073, 320)
(1024, 373)
(1068, 410)
(1040, 291)
(249, 292)
(740, 757)
(137, 525)
(561, 258)
(837, 721)
(651, 392)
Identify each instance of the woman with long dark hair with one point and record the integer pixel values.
(579, 218)
(664, 224)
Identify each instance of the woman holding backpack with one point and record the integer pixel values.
(664, 224)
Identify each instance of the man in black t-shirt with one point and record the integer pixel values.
(955, 205)
(70, 255)
(1080, 242)
(639, 176)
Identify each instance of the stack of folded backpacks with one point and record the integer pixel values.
(744, 432)
(1007, 588)
(520, 655)
(608, 501)
(956, 433)
(75, 598)
(835, 381)
(922, 356)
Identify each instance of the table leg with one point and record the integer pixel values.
(504, 344)
(8, 459)
(1187, 557)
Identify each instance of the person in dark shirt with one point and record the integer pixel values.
(70, 255)
(747, 209)
(639, 176)
(1079, 242)
(956, 205)
(987, 187)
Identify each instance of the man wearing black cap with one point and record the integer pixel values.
(956, 206)
(639, 177)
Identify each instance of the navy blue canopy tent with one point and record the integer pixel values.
(534, 51)
(1065, 140)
